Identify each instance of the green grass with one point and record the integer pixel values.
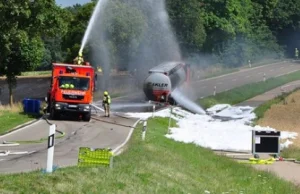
(261, 110)
(267, 61)
(12, 116)
(10, 120)
(35, 73)
(292, 152)
(157, 165)
(248, 91)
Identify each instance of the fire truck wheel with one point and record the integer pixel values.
(53, 114)
(86, 117)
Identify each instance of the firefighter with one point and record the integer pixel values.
(79, 59)
(67, 86)
(99, 69)
(71, 86)
(106, 103)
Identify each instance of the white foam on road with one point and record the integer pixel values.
(209, 132)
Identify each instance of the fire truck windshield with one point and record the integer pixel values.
(73, 83)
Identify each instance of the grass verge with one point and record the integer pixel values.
(292, 152)
(157, 165)
(35, 73)
(248, 91)
(12, 116)
(262, 109)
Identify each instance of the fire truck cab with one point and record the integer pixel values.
(71, 90)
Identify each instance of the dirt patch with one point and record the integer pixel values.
(284, 116)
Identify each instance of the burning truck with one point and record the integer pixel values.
(163, 79)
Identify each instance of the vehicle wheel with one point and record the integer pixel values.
(86, 117)
(54, 115)
(172, 101)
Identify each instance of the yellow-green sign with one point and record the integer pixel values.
(94, 157)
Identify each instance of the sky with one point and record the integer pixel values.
(70, 2)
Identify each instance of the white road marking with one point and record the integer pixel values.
(6, 153)
(271, 70)
(21, 129)
(240, 71)
(9, 144)
(118, 149)
(287, 73)
(20, 153)
(291, 85)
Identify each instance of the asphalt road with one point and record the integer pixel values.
(110, 133)
(94, 134)
(206, 87)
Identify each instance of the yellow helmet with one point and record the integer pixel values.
(105, 93)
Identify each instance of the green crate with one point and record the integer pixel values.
(89, 157)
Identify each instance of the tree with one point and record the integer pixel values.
(21, 46)
(282, 18)
(115, 35)
(187, 19)
(77, 24)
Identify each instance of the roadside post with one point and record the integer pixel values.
(144, 130)
(249, 62)
(215, 90)
(50, 155)
(153, 110)
(171, 111)
(264, 77)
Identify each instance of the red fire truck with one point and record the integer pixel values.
(71, 90)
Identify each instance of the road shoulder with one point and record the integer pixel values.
(289, 171)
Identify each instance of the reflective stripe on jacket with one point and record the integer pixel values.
(106, 99)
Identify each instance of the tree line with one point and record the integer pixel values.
(35, 33)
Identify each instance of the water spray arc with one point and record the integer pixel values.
(95, 15)
(186, 102)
